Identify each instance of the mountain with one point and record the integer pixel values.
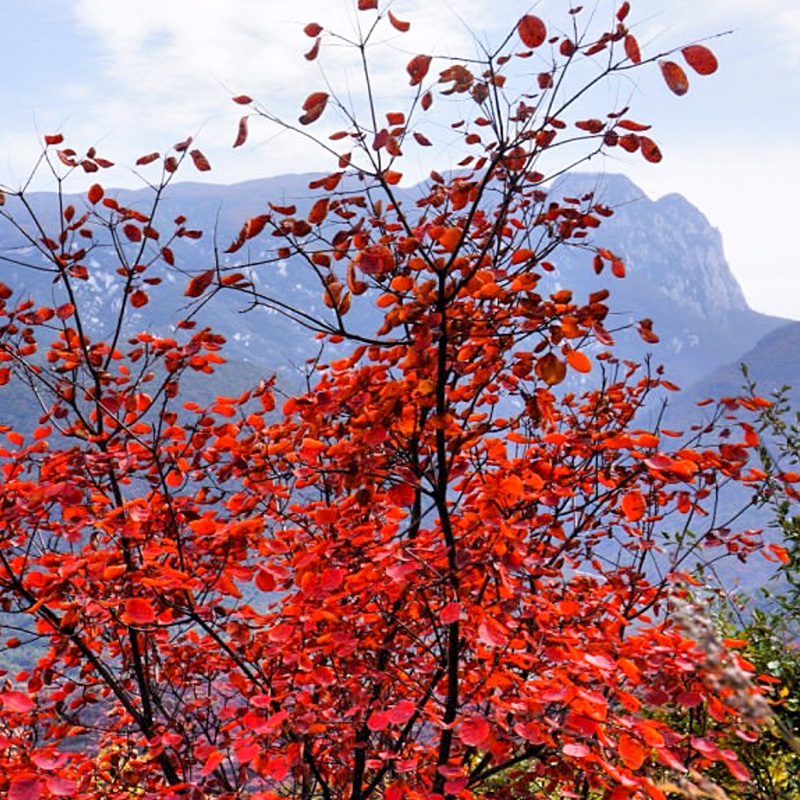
(772, 364)
(677, 274)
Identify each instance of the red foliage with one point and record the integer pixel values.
(426, 571)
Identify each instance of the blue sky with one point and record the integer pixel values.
(134, 77)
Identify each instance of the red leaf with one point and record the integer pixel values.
(54, 139)
(200, 161)
(398, 23)
(133, 232)
(139, 298)
(632, 49)
(61, 787)
(675, 77)
(531, 30)
(737, 769)
(314, 106)
(241, 136)
(422, 139)
(650, 150)
(367, 5)
(474, 731)
(17, 701)
(631, 751)
(212, 762)
(312, 30)
(138, 611)
(426, 101)
(95, 193)
(450, 613)
(401, 713)
(313, 52)
(150, 157)
(575, 750)
(25, 789)
(623, 11)
(378, 720)
(700, 59)
(243, 99)
(634, 506)
(199, 283)
(491, 633)
(418, 68)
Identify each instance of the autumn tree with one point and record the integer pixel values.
(447, 567)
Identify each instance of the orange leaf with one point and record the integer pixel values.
(450, 238)
(95, 193)
(312, 30)
(579, 361)
(200, 161)
(149, 158)
(632, 49)
(367, 5)
(522, 255)
(318, 211)
(631, 751)
(531, 30)
(700, 59)
(551, 369)
(629, 142)
(418, 68)
(675, 77)
(241, 136)
(634, 506)
(199, 283)
(314, 106)
(54, 139)
(650, 150)
(391, 177)
(398, 23)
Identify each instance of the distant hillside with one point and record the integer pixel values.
(677, 273)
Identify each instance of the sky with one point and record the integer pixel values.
(130, 78)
